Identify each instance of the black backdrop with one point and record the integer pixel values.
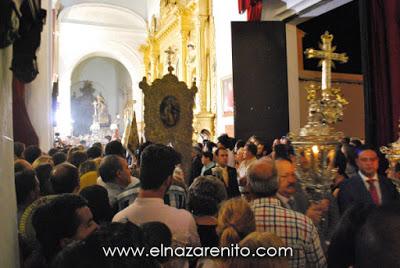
(260, 79)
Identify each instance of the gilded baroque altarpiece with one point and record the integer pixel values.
(187, 27)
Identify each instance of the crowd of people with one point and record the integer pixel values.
(79, 200)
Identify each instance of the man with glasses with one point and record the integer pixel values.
(367, 186)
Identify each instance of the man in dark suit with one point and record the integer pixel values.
(226, 173)
(367, 186)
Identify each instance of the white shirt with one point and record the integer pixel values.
(180, 221)
(376, 183)
(231, 158)
(284, 200)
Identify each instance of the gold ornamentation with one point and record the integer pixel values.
(315, 144)
(185, 26)
(392, 152)
(163, 123)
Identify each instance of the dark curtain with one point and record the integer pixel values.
(384, 71)
(22, 126)
(253, 8)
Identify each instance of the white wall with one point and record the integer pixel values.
(109, 77)
(38, 93)
(88, 30)
(8, 204)
(138, 6)
(224, 13)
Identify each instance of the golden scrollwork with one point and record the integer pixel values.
(168, 114)
(186, 26)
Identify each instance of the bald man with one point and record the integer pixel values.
(295, 229)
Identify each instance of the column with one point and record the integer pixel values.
(8, 205)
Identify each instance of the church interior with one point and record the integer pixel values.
(205, 93)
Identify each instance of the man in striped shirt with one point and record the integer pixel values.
(295, 229)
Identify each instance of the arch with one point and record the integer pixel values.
(83, 37)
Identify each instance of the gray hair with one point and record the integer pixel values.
(263, 178)
(205, 195)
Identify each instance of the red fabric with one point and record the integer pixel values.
(385, 66)
(253, 8)
(373, 192)
(254, 11)
(22, 126)
(243, 5)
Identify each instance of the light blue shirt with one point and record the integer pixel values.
(207, 167)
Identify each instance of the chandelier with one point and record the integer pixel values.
(316, 142)
(392, 152)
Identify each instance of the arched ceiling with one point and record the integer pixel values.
(101, 14)
(140, 7)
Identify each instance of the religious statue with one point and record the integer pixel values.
(101, 115)
(82, 108)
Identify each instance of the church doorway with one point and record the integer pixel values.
(100, 90)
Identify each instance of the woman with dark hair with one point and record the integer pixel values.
(350, 153)
(340, 163)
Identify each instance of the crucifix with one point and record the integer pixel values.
(169, 52)
(327, 56)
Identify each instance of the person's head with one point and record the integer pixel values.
(223, 141)
(221, 157)
(281, 151)
(115, 147)
(206, 158)
(98, 202)
(367, 161)
(196, 152)
(378, 241)
(239, 144)
(43, 174)
(59, 158)
(157, 166)
(256, 240)
(26, 187)
(21, 164)
(262, 178)
(94, 152)
(78, 157)
(157, 234)
(261, 149)
(98, 144)
(19, 148)
(71, 150)
(64, 178)
(287, 177)
(205, 134)
(87, 166)
(205, 195)
(356, 143)
(350, 153)
(61, 221)
(114, 169)
(250, 151)
(89, 252)
(52, 151)
(31, 153)
(235, 221)
(345, 140)
(209, 147)
(341, 251)
(43, 159)
(239, 157)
